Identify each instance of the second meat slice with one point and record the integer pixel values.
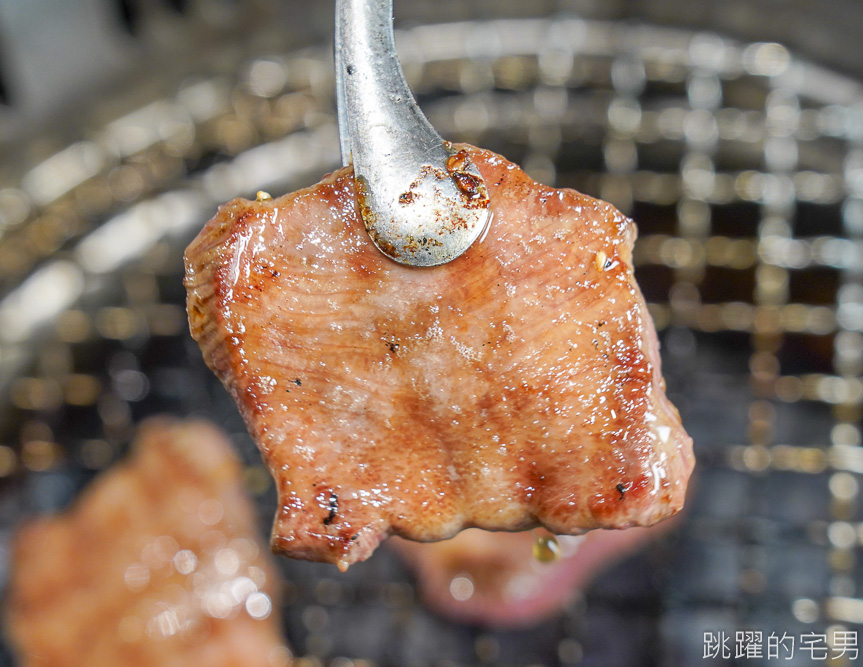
(518, 385)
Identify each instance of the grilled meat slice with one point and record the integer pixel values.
(494, 579)
(157, 563)
(517, 385)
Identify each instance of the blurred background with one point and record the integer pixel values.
(730, 130)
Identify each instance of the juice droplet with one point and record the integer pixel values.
(601, 259)
(546, 549)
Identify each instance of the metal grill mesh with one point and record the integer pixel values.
(743, 167)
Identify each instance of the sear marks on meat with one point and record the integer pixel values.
(517, 385)
(157, 563)
(492, 579)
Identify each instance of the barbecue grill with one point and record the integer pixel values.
(732, 132)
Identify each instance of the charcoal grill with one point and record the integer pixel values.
(740, 157)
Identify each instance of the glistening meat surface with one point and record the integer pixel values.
(157, 563)
(517, 385)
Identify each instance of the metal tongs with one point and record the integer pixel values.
(423, 203)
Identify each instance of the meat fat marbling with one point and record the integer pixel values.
(518, 385)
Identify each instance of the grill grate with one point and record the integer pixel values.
(743, 166)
